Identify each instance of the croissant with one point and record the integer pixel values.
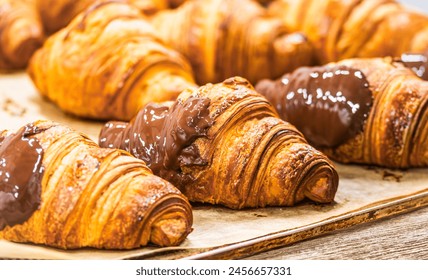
(107, 64)
(21, 33)
(341, 29)
(57, 14)
(224, 144)
(60, 189)
(368, 111)
(225, 38)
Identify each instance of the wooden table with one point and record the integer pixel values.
(400, 237)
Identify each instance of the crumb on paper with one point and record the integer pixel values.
(387, 174)
(259, 215)
(13, 108)
(390, 175)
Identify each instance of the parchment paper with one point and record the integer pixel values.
(214, 226)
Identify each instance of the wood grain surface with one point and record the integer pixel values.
(400, 237)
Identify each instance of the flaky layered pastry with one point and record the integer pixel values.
(21, 33)
(379, 118)
(107, 64)
(56, 14)
(225, 144)
(342, 29)
(224, 38)
(86, 197)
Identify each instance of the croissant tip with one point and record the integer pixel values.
(169, 232)
(322, 190)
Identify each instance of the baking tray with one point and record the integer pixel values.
(365, 194)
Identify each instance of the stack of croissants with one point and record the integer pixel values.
(238, 103)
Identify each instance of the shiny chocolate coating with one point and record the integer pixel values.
(21, 173)
(417, 62)
(162, 135)
(328, 104)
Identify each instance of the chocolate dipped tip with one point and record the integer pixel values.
(21, 173)
(162, 134)
(265, 86)
(328, 104)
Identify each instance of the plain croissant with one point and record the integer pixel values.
(72, 193)
(21, 33)
(57, 14)
(341, 29)
(224, 144)
(369, 111)
(225, 38)
(107, 64)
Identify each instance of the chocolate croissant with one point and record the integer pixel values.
(367, 111)
(225, 38)
(57, 14)
(224, 144)
(342, 29)
(21, 33)
(60, 189)
(107, 64)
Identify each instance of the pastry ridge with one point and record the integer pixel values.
(100, 198)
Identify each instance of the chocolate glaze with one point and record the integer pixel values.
(21, 174)
(162, 136)
(418, 62)
(328, 104)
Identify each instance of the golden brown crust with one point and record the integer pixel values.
(342, 29)
(395, 134)
(101, 198)
(57, 14)
(255, 159)
(108, 63)
(249, 157)
(21, 33)
(224, 38)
